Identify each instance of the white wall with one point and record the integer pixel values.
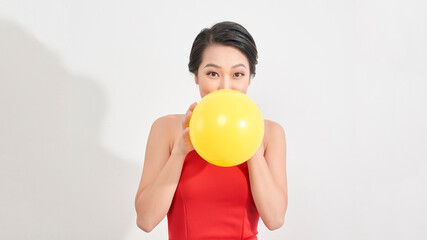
(82, 81)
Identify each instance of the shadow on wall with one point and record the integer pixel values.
(56, 180)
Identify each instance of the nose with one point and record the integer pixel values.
(225, 83)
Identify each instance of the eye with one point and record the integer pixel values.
(239, 74)
(213, 74)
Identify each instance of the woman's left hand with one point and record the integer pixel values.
(259, 152)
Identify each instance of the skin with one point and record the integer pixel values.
(222, 67)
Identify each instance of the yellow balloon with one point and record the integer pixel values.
(226, 128)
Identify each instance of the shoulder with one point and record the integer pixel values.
(272, 125)
(168, 126)
(273, 131)
(170, 123)
(169, 120)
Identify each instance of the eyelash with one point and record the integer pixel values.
(210, 74)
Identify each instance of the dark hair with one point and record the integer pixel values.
(226, 33)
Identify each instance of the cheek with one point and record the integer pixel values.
(204, 80)
(245, 81)
(207, 86)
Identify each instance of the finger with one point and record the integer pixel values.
(192, 106)
(185, 131)
(188, 114)
(187, 118)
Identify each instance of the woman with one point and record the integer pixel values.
(201, 200)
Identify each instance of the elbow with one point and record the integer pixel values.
(277, 221)
(143, 221)
(144, 225)
(273, 225)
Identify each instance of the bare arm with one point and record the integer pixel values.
(267, 174)
(161, 173)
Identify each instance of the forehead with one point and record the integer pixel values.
(224, 55)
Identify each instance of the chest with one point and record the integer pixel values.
(202, 182)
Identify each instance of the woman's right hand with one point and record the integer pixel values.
(183, 144)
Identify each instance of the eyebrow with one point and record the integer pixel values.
(216, 66)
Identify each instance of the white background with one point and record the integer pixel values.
(81, 82)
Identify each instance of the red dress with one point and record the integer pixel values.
(212, 202)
